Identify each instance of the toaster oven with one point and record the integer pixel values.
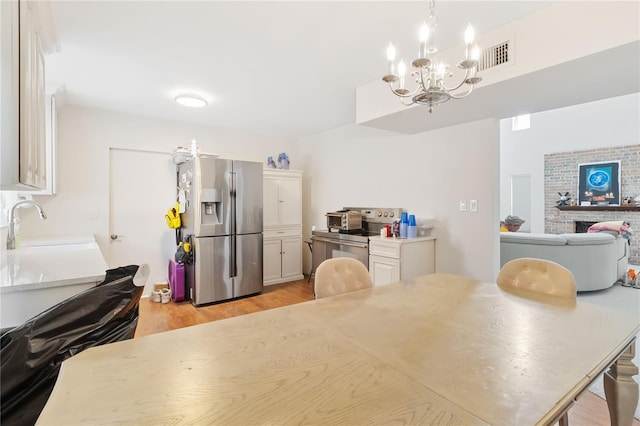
(344, 220)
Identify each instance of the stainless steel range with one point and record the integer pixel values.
(352, 243)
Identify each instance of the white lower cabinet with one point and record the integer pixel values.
(395, 259)
(282, 255)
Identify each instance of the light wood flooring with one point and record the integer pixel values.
(589, 410)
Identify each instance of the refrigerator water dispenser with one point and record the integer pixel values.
(210, 206)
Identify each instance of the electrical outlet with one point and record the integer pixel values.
(463, 206)
(473, 206)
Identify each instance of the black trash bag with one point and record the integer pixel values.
(32, 353)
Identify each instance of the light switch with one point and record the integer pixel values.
(94, 212)
(463, 206)
(473, 206)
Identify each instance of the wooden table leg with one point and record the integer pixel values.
(620, 389)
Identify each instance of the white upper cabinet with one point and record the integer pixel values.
(282, 193)
(33, 166)
(28, 119)
(9, 94)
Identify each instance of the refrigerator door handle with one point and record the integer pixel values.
(232, 199)
(233, 266)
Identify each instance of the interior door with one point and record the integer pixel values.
(142, 189)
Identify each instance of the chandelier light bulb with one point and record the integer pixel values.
(469, 35)
(475, 52)
(424, 40)
(424, 32)
(402, 69)
(391, 52)
(391, 56)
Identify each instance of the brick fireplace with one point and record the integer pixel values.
(561, 175)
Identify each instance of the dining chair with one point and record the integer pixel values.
(340, 275)
(541, 276)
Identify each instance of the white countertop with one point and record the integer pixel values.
(52, 262)
(400, 240)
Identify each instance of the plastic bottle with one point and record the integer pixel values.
(412, 228)
(194, 148)
(404, 224)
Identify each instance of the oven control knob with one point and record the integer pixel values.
(379, 214)
(386, 214)
(391, 214)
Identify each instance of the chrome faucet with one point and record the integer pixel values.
(11, 236)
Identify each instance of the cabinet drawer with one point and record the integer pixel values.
(382, 249)
(280, 233)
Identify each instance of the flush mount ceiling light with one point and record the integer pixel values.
(193, 101)
(430, 73)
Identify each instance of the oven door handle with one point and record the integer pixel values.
(342, 243)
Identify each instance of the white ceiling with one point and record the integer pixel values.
(282, 69)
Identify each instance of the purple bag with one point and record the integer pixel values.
(176, 280)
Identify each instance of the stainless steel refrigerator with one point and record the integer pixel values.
(223, 215)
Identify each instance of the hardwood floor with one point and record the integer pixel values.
(589, 410)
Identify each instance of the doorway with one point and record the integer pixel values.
(142, 187)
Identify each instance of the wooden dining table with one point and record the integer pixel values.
(438, 349)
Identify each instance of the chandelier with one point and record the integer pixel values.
(430, 74)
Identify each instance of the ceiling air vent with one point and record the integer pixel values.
(494, 56)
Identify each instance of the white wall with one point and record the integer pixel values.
(426, 174)
(84, 138)
(601, 124)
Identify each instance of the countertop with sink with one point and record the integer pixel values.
(52, 262)
(43, 272)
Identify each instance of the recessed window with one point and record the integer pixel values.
(521, 122)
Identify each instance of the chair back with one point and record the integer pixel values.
(340, 275)
(541, 276)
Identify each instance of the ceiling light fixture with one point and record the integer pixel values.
(430, 73)
(191, 101)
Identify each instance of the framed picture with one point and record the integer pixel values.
(599, 183)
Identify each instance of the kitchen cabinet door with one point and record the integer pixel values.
(292, 258)
(290, 200)
(32, 100)
(272, 260)
(384, 270)
(271, 202)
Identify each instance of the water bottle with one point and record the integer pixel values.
(404, 224)
(412, 228)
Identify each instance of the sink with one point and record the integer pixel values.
(43, 272)
(51, 263)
